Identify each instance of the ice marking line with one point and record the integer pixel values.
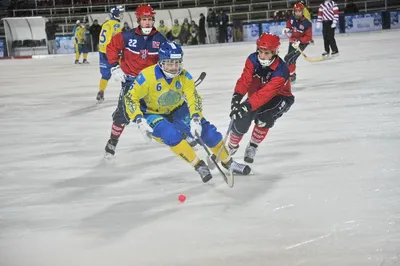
(283, 207)
(309, 241)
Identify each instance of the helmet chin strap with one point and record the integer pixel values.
(146, 31)
(266, 63)
(169, 74)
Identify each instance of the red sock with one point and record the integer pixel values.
(116, 130)
(234, 139)
(258, 134)
(292, 69)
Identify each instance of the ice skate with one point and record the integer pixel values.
(232, 149)
(110, 148)
(100, 96)
(203, 170)
(250, 153)
(293, 78)
(238, 168)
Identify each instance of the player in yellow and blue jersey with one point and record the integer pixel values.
(108, 30)
(81, 41)
(156, 102)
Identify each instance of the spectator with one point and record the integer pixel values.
(95, 33)
(51, 30)
(193, 34)
(185, 31)
(176, 32)
(212, 26)
(237, 31)
(162, 28)
(222, 20)
(202, 29)
(126, 27)
(351, 8)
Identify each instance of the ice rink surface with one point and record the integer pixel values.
(325, 189)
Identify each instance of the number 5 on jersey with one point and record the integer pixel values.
(103, 36)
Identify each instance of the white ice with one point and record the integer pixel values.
(326, 188)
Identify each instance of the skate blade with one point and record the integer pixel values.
(108, 156)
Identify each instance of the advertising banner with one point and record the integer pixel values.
(363, 22)
(251, 32)
(1, 48)
(394, 19)
(274, 28)
(65, 44)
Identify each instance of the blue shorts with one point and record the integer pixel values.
(169, 129)
(82, 48)
(105, 67)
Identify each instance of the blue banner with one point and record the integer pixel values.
(394, 19)
(274, 28)
(363, 22)
(65, 44)
(251, 32)
(318, 32)
(1, 48)
(277, 27)
(230, 33)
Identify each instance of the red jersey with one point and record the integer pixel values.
(134, 51)
(301, 29)
(263, 83)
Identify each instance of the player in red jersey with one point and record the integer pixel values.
(265, 80)
(300, 30)
(129, 52)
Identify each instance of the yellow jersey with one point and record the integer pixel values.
(108, 30)
(152, 93)
(80, 36)
(306, 14)
(163, 30)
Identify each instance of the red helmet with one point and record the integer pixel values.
(268, 41)
(144, 11)
(298, 6)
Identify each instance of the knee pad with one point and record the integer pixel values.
(241, 126)
(166, 132)
(210, 135)
(265, 123)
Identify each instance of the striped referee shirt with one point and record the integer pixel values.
(328, 11)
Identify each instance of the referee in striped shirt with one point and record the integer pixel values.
(328, 14)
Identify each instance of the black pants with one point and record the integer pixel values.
(222, 35)
(293, 54)
(329, 36)
(265, 116)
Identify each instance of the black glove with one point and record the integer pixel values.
(236, 98)
(240, 111)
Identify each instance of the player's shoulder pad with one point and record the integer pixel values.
(307, 23)
(188, 75)
(117, 25)
(140, 79)
(253, 58)
(281, 69)
(158, 36)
